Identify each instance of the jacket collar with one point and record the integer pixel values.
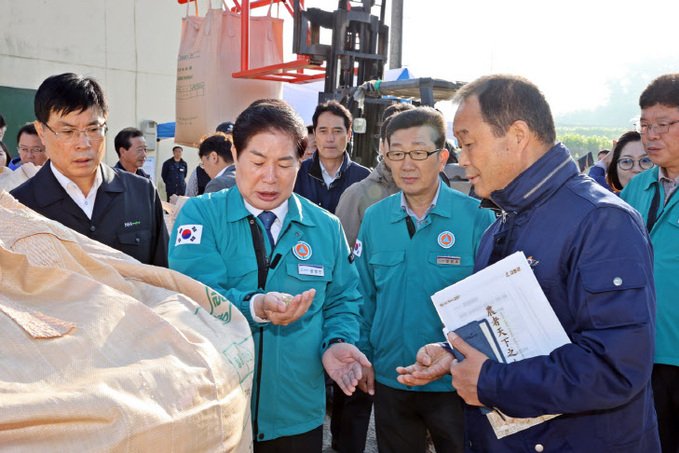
(237, 211)
(315, 167)
(48, 190)
(653, 179)
(536, 183)
(442, 207)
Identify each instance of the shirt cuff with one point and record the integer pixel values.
(256, 318)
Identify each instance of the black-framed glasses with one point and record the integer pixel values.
(627, 163)
(71, 135)
(659, 127)
(416, 154)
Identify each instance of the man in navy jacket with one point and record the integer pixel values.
(591, 254)
(323, 178)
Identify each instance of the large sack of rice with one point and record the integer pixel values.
(99, 352)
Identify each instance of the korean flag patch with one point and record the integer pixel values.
(358, 248)
(189, 234)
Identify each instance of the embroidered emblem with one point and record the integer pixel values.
(446, 239)
(532, 262)
(302, 250)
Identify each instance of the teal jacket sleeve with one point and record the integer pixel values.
(341, 310)
(200, 258)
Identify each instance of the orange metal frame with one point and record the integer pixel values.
(292, 71)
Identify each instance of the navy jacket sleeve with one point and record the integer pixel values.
(165, 172)
(599, 175)
(608, 311)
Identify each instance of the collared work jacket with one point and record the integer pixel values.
(639, 194)
(399, 273)
(592, 257)
(311, 252)
(127, 215)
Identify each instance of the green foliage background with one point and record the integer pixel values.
(583, 140)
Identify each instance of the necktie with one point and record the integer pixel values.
(268, 218)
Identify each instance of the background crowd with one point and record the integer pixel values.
(333, 263)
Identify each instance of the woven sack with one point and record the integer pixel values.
(99, 352)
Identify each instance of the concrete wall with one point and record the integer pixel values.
(129, 46)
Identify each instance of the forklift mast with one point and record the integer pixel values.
(357, 54)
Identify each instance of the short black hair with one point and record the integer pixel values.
(225, 127)
(218, 142)
(389, 113)
(269, 115)
(336, 109)
(418, 117)
(177, 146)
(124, 137)
(396, 107)
(505, 99)
(3, 123)
(663, 90)
(28, 128)
(612, 172)
(66, 93)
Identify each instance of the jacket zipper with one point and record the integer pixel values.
(261, 351)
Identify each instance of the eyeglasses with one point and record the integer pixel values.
(417, 154)
(627, 164)
(93, 133)
(201, 164)
(23, 149)
(660, 127)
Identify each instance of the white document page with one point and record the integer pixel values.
(508, 295)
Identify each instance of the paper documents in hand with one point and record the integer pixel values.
(502, 309)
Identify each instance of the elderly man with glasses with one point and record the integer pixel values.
(653, 194)
(114, 207)
(411, 245)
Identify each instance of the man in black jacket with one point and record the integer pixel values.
(174, 173)
(114, 207)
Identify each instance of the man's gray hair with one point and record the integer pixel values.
(505, 99)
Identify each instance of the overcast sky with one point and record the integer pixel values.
(568, 48)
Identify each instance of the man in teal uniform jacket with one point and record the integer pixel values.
(411, 245)
(258, 237)
(652, 193)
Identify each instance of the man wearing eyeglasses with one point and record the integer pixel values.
(592, 257)
(30, 148)
(114, 207)
(411, 245)
(217, 160)
(653, 194)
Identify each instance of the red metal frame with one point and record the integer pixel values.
(291, 71)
